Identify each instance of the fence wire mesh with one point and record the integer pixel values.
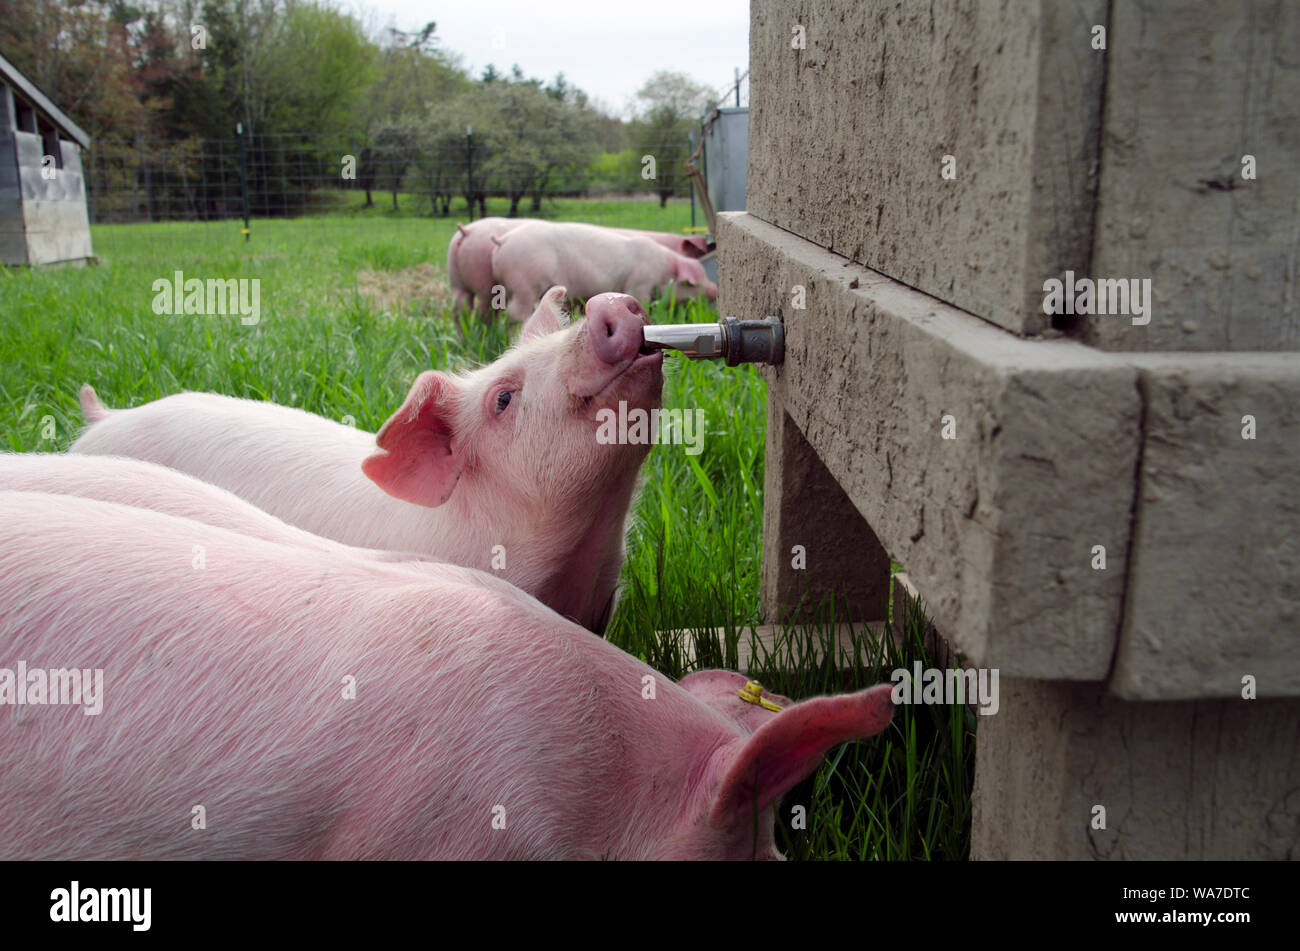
(288, 174)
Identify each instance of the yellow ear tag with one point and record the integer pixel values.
(752, 692)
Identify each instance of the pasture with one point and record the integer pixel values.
(352, 307)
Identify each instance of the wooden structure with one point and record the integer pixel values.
(1101, 503)
(43, 218)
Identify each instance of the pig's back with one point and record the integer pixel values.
(224, 687)
(142, 484)
(299, 467)
(586, 259)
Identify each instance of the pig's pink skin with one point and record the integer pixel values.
(224, 687)
(469, 262)
(532, 479)
(720, 689)
(469, 256)
(145, 485)
(589, 260)
(691, 246)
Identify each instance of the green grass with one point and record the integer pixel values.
(695, 539)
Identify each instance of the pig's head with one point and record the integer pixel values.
(691, 281)
(729, 811)
(512, 448)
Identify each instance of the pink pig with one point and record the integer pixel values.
(145, 485)
(307, 706)
(690, 246)
(469, 256)
(469, 262)
(498, 469)
(588, 259)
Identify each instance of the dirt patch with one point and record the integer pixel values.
(421, 289)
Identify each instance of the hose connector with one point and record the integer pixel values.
(733, 340)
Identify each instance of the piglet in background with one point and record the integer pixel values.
(469, 262)
(498, 469)
(283, 703)
(469, 256)
(534, 255)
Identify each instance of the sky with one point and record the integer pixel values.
(606, 47)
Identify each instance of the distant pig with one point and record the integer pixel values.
(304, 706)
(469, 262)
(469, 256)
(498, 469)
(588, 260)
(692, 246)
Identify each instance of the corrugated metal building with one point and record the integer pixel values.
(43, 217)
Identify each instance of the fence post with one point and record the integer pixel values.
(469, 174)
(690, 138)
(243, 176)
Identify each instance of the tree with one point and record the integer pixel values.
(671, 104)
(441, 157)
(395, 144)
(534, 136)
(567, 147)
(518, 115)
(79, 55)
(319, 66)
(413, 76)
(672, 97)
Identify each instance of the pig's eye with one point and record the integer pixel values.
(503, 400)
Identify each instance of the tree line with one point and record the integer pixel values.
(155, 82)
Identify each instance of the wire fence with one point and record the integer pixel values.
(287, 174)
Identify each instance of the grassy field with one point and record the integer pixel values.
(351, 311)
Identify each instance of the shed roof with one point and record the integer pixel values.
(15, 78)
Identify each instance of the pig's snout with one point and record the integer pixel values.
(614, 323)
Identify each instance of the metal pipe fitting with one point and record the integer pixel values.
(733, 340)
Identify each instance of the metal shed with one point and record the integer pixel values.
(43, 217)
(726, 154)
(726, 157)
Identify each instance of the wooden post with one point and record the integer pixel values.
(815, 543)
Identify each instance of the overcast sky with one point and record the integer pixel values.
(605, 47)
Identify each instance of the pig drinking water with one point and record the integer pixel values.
(305, 706)
(497, 469)
(469, 256)
(588, 259)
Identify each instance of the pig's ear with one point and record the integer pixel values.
(550, 315)
(720, 689)
(791, 744)
(416, 461)
(689, 271)
(695, 247)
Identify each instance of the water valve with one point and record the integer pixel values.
(731, 339)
